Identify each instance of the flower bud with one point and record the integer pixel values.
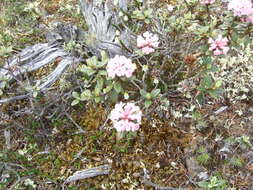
(125, 18)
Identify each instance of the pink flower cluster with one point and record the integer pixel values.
(147, 42)
(120, 66)
(206, 2)
(242, 8)
(219, 46)
(126, 117)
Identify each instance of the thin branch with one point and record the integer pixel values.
(157, 187)
(103, 126)
(78, 126)
(13, 186)
(7, 100)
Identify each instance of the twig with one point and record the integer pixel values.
(78, 154)
(177, 71)
(7, 164)
(13, 186)
(7, 135)
(132, 81)
(221, 109)
(103, 126)
(7, 100)
(157, 187)
(78, 126)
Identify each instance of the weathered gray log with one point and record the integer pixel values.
(32, 58)
(88, 173)
(64, 32)
(102, 20)
(62, 66)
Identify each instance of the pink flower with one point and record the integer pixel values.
(249, 19)
(147, 42)
(126, 117)
(241, 7)
(206, 2)
(218, 46)
(120, 66)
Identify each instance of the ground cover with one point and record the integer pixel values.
(193, 134)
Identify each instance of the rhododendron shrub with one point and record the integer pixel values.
(126, 117)
(219, 45)
(147, 42)
(118, 78)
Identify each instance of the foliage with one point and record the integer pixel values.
(215, 183)
(203, 157)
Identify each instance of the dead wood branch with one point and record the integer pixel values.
(92, 172)
(102, 19)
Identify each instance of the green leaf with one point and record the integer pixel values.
(113, 96)
(147, 103)
(246, 40)
(86, 95)
(215, 93)
(214, 68)
(155, 92)
(102, 73)
(75, 95)
(87, 70)
(117, 87)
(206, 60)
(97, 99)
(4, 51)
(100, 64)
(218, 84)
(108, 88)
(1, 92)
(206, 82)
(201, 98)
(100, 82)
(234, 36)
(203, 184)
(143, 93)
(74, 102)
(196, 115)
(99, 85)
(92, 62)
(104, 56)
